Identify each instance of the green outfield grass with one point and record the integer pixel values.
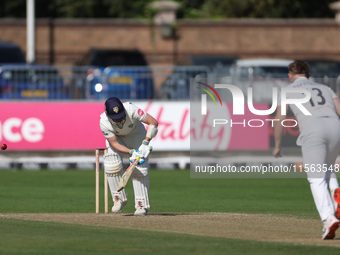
(30, 237)
(171, 191)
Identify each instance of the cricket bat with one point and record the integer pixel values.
(126, 176)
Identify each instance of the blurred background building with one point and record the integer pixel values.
(149, 51)
(64, 40)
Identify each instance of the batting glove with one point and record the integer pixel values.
(134, 154)
(145, 148)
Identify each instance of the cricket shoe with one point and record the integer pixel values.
(329, 227)
(336, 197)
(141, 211)
(118, 205)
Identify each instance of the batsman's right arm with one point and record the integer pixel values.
(117, 146)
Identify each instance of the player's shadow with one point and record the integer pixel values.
(161, 214)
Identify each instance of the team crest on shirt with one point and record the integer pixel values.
(130, 126)
(116, 109)
(140, 112)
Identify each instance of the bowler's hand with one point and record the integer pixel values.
(277, 152)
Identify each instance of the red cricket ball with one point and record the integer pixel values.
(3, 146)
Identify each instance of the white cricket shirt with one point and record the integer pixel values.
(132, 125)
(320, 105)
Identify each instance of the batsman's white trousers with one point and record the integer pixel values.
(320, 148)
(140, 176)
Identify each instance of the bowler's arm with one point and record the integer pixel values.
(278, 132)
(336, 102)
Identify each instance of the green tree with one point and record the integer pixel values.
(189, 8)
(76, 8)
(266, 9)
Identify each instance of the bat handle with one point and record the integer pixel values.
(148, 152)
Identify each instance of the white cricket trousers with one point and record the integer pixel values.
(320, 148)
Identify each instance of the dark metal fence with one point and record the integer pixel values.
(93, 83)
(155, 82)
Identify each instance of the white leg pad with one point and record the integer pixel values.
(112, 163)
(114, 170)
(113, 181)
(141, 185)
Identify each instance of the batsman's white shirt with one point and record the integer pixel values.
(133, 131)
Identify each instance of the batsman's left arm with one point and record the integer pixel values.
(152, 127)
(152, 123)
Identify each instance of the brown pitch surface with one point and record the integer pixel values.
(257, 227)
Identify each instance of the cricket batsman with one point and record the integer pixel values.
(121, 125)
